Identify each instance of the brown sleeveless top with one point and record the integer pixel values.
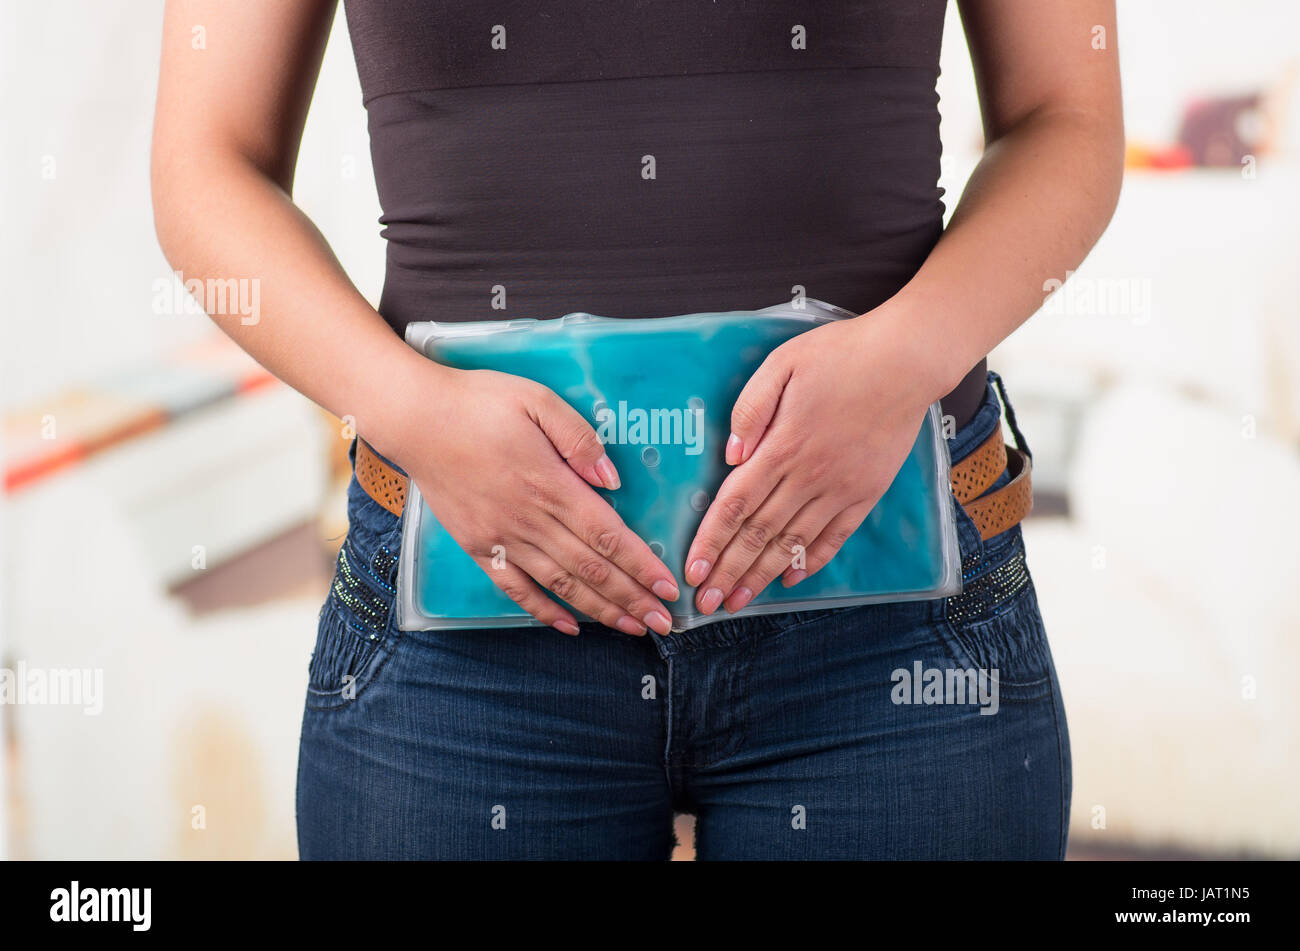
(651, 157)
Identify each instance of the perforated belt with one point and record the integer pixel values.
(992, 513)
(1004, 507)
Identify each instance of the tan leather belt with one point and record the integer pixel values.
(971, 477)
(381, 481)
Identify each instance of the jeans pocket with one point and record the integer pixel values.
(356, 634)
(994, 624)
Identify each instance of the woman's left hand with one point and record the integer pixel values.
(818, 434)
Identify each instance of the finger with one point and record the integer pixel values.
(755, 408)
(574, 439)
(558, 495)
(607, 580)
(523, 591)
(748, 543)
(788, 549)
(827, 544)
(571, 589)
(742, 492)
(565, 508)
(601, 530)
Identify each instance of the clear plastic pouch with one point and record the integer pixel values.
(659, 392)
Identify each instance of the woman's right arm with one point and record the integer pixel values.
(501, 460)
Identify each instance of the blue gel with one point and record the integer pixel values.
(659, 393)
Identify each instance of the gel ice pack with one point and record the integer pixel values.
(659, 393)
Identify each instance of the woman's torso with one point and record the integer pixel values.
(652, 157)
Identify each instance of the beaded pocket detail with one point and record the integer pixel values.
(351, 640)
(985, 596)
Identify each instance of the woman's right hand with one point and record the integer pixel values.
(503, 461)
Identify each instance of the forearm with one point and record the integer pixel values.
(1037, 202)
(221, 217)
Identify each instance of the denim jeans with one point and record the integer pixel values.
(837, 734)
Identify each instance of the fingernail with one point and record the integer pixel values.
(698, 571)
(739, 598)
(566, 627)
(666, 590)
(793, 578)
(712, 598)
(735, 450)
(659, 622)
(608, 474)
(630, 625)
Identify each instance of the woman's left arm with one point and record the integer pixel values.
(823, 426)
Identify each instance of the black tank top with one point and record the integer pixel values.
(640, 158)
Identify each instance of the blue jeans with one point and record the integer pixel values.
(838, 734)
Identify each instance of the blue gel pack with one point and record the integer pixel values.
(659, 393)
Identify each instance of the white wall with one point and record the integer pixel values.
(1170, 51)
(78, 249)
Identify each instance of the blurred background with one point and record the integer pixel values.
(170, 512)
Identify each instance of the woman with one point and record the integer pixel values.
(639, 160)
